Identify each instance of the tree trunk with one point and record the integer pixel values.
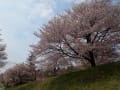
(89, 56)
(92, 59)
(35, 76)
(92, 62)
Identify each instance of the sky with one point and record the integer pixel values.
(20, 18)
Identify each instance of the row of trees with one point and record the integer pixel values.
(19, 74)
(88, 33)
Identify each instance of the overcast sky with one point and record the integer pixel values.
(20, 18)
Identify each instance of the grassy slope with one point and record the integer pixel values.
(105, 77)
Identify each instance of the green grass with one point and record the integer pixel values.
(104, 77)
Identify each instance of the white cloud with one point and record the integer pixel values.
(41, 10)
(68, 1)
(76, 1)
(16, 21)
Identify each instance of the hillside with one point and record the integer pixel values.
(104, 77)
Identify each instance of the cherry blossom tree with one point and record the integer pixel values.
(88, 32)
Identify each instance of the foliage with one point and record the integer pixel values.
(105, 77)
(19, 74)
(3, 55)
(88, 32)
